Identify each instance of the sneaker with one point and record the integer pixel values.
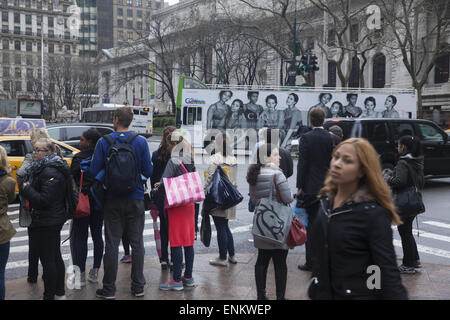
(171, 285)
(232, 259)
(164, 265)
(138, 292)
(406, 270)
(187, 282)
(63, 297)
(72, 280)
(126, 258)
(100, 293)
(417, 265)
(218, 262)
(93, 275)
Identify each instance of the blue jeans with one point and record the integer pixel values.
(177, 258)
(224, 237)
(79, 239)
(4, 254)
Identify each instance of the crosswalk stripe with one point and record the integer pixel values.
(437, 224)
(147, 244)
(428, 250)
(429, 235)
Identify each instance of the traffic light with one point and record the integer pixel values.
(313, 64)
(303, 65)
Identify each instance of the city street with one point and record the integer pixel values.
(433, 240)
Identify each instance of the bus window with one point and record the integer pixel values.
(143, 113)
(199, 114)
(135, 111)
(185, 110)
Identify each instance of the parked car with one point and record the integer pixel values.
(70, 133)
(18, 146)
(385, 133)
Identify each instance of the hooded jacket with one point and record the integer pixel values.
(47, 191)
(407, 172)
(349, 245)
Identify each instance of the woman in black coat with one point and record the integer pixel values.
(351, 237)
(45, 188)
(408, 172)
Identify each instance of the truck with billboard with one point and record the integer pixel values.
(25, 108)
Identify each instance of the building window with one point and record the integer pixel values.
(139, 25)
(28, 32)
(149, 3)
(441, 68)
(51, 33)
(130, 24)
(18, 73)
(28, 19)
(29, 86)
(29, 60)
(29, 46)
(29, 73)
(120, 34)
(18, 59)
(67, 49)
(353, 82)
(6, 73)
(5, 29)
(130, 2)
(50, 21)
(39, 4)
(50, 6)
(158, 5)
(16, 17)
(6, 85)
(27, 4)
(120, 23)
(18, 85)
(130, 35)
(51, 48)
(120, 12)
(39, 20)
(138, 3)
(331, 38)
(5, 44)
(17, 45)
(332, 74)
(130, 13)
(16, 30)
(5, 58)
(5, 16)
(379, 71)
(139, 14)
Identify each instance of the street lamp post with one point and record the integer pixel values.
(292, 72)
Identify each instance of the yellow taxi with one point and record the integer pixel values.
(18, 146)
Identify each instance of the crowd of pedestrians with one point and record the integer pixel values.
(339, 183)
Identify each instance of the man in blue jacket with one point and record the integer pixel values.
(124, 212)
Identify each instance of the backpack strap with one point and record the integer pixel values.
(109, 139)
(131, 137)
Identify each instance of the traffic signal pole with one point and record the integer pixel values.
(292, 72)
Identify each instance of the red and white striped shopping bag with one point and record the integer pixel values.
(183, 189)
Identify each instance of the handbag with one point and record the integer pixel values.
(300, 212)
(272, 221)
(24, 213)
(221, 193)
(409, 200)
(83, 206)
(205, 228)
(297, 234)
(184, 189)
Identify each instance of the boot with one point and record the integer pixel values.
(280, 283)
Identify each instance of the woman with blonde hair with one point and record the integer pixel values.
(33, 257)
(7, 195)
(352, 235)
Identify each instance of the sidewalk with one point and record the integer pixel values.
(235, 282)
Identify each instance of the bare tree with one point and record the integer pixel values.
(419, 30)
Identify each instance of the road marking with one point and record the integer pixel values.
(427, 250)
(24, 263)
(437, 224)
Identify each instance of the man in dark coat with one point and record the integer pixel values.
(315, 148)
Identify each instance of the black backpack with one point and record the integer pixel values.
(121, 173)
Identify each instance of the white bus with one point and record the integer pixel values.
(104, 113)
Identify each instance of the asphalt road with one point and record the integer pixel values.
(433, 240)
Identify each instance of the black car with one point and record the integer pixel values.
(384, 134)
(70, 133)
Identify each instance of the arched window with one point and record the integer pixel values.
(441, 68)
(332, 74)
(379, 71)
(353, 82)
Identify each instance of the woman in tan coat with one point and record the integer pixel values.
(225, 159)
(7, 231)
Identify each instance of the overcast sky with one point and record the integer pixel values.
(171, 2)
